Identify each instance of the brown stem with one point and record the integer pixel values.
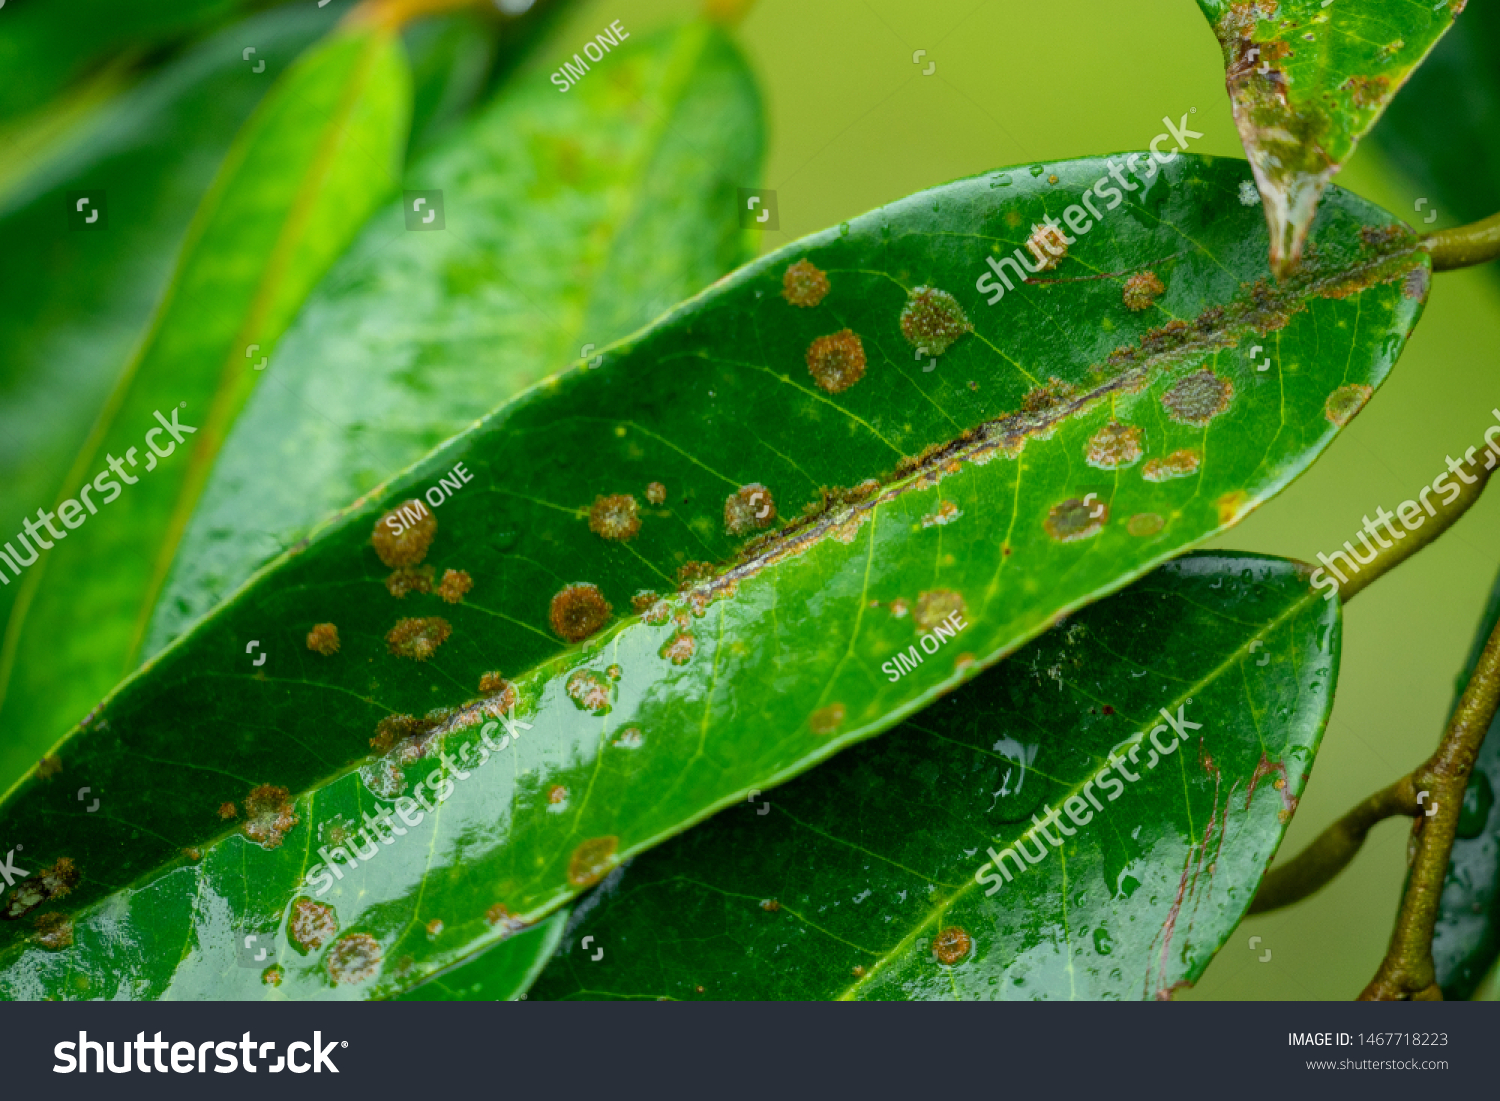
(1407, 971)
(1446, 515)
(1334, 848)
(1464, 246)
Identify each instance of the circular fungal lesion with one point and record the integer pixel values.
(323, 639)
(409, 579)
(837, 361)
(1049, 246)
(54, 931)
(1115, 447)
(592, 860)
(1141, 290)
(802, 284)
(418, 638)
(403, 534)
(935, 606)
(1182, 463)
(311, 925)
(952, 945)
(932, 320)
(1198, 398)
(750, 508)
(1345, 402)
(456, 584)
(353, 959)
(590, 691)
(656, 493)
(269, 814)
(614, 518)
(679, 648)
(1073, 520)
(578, 611)
(825, 720)
(1145, 523)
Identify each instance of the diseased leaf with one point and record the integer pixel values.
(1308, 80)
(318, 154)
(78, 302)
(502, 973)
(1466, 939)
(859, 879)
(571, 221)
(694, 442)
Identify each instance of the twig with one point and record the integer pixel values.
(1464, 246)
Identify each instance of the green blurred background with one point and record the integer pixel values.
(854, 123)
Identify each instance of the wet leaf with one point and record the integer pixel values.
(502, 973)
(317, 155)
(571, 221)
(1308, 79)
(858, 880)
(699, 440)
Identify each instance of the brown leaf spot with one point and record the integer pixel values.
(825, 720)
(226, 810)
(1367, 91)
(900, 607)
(642, 601)
(311, 925)
(1048, 397)
(1049, 245)
(1073, 520)
(803, 285)
(48, 767)
(268, 815)
(951, 945)
(415, 529)
(750, 508)
(418, 639)
(409, 579)
(49, 883)
(614, 518)
(273, 975)
(1345, 402)
(770, 905)
(590, 691)
(836, 362)
(54, 931)
(1115, 446)
(1142, 289)
(932, 320)
(492, 682)
(1198, 398)
(694, 573)
(455, 584)
(936, 605)
(1182, 463)
(656, 493)
(323, 639)
(353, 959)
(591, 860)
(578, 612)
(1232, 506)
(679, 648)
(500, 917)
(434, 928)
(1144, 523)
(947, 513)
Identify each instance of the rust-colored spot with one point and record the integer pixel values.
(403, 534)
(409, 579)
(858, 971)
(656, 493)
(590, 691)
(1367, 91)
(323, 639)
(579, 611)
(1142, 289)
(455, 584)
(679, 648)
(1283, 816)
(273, 975)
(963, 662)
(947, 513)
(1232, 506)
(268, 815)
(492, 682)
(1198, 398)
(1345, 402)
(48, 767)
(803, 285)
(936, 605)
(614, 518)
(900, 607)
(750, 508)
(50, 883)
(54, 931)
(836, 362)
(632, 737)
(694, 573)
(643, 601)
(1174, 334)
(951, 945)
(557, 798)
(1145, 523)
(657, 614)
(353, 959)
(1045, 398)
(1073, 520)
(502, 918)
(1115, 446)
(591, 860)
(1182, 463)
(770, 905)
(932, 320)
(226, 810)
(418, 639)
(193, 854)
(390, 730)
(311, 925)
(383, 778)
(1278, 783)
(1049, 245)
(434, 928)
(825, 720)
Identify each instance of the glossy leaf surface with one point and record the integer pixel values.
(571, 220)
(978, 513)
(858, 879)
(320, 151)
(1308, 80)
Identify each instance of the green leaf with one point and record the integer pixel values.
(1307, 81)
(78, 302)
(645, 723)
(1440, 131)
(501, 973)
(1466, 939)
(858, 880)
(572, 220)
(319, 153)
